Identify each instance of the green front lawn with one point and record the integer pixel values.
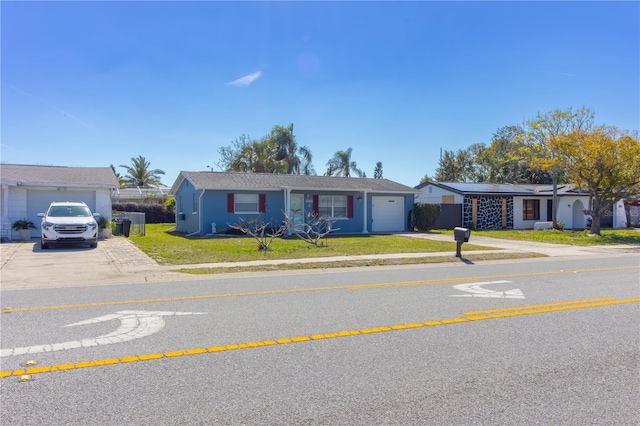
(578, 238)
(166, 246)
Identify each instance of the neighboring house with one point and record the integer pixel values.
(510, 206)
(28, 190)
(358, 205)
(140, 195)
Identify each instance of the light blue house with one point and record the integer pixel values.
(358, 205)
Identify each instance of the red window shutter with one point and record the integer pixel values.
(230, 203)
(350, 206)
(316, 205)
(262, 203)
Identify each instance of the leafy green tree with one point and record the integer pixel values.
(298, 159)
(505, 159)
(544, 135)
(603, 160)
(426, 178)
(377, 172)
(455, 166)
(140, 174)
(249, 155)
(342, 165)
(278, 152)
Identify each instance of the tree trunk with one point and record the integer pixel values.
(595, 223)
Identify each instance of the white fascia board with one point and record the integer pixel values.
(66, 185)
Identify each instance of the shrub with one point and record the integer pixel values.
(426, 215)
(170, 205)
(23, 224)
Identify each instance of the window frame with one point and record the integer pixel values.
(236, 196)
(332, 207)
(530, 209)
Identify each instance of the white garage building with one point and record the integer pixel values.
(28, 190)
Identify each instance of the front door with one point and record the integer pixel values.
(296, 210)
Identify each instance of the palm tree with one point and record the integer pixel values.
(341, 165)
(297, 158)
(139, 174)
(118, 176)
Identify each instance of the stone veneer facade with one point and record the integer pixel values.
(489, 212)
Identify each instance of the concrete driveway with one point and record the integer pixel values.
(116, 260)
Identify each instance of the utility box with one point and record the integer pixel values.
(461, 235)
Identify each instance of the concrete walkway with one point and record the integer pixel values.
(117, 260)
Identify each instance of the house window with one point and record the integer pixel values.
(332, 206)
(195, 203)
(245, 203)
(530, 209)
(180, 206)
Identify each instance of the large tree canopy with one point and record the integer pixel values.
(603, 161)
(278, 152)
(544, 134)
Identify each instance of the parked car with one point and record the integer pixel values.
(69, 223)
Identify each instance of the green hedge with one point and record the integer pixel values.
(426, 215)
(153, 213)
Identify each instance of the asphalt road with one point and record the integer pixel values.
(513, 342)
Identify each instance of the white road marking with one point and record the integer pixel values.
(477, 291)
(133, 325)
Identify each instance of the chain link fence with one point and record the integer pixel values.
(137, 224)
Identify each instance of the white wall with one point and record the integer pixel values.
(17, 205)
(565, 211)
(433, 194)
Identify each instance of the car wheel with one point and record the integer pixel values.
(43, 245)
(93, 245)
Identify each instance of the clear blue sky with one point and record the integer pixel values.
(96, 83)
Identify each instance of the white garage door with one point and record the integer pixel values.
(38, 201)
(387, 214)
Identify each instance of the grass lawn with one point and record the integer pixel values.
(168, 247)
(578, 238)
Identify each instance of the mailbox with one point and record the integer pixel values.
(461, 234)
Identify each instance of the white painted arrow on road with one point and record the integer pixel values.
(133, 325)
(477, 291)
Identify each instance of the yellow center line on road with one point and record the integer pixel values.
(310, 289)
(469, 316)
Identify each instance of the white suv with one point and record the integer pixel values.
(69, 223)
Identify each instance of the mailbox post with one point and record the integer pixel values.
(461, 235)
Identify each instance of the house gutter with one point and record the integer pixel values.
(199, 231)
(365, 212)
(287, 203)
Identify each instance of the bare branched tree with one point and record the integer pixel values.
(260, 230)
(313, 229)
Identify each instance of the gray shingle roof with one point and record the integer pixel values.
(59, 175)
(267, 181)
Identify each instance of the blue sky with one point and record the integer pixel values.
(96, 83)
